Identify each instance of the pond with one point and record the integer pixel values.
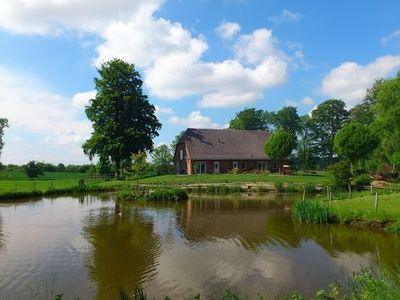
(89, 247)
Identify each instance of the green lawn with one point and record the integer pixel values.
(233, 178)
(363, 208)
(38, 185)
(20, 175)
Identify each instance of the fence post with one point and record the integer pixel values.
(327, 192)
(371, 189)
(376, 202)
(330, 200)
(304, 194)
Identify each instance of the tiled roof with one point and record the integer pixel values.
(212, 144)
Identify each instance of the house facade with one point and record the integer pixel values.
(213, 151)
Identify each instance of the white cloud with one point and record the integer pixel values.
(163, 110)
(308, 101)
(194, 120)
(227, 30)
(350, 81)
(393, 37)
(32, 110)
(285, 16)
(57, 16)
(82, 99)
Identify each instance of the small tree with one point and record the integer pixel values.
(139, 166)
(339, 175)
(33, 169)
(162, 159)
(355, 142)
(395, 159)
(279, 145)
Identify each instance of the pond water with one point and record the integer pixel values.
(89, 247)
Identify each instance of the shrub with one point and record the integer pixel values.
(311, 212)
(363, 179)
(126, 195)
(339, 175)
(280, 186)
(234, 171)
(292, 188)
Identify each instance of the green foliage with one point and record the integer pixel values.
(279, 145)
(311, 211)
(176, 140)
(339, 175)
(234, 171)
(162, 160)
(306, 148)
(326, 120)
(310, 188)
(363, 179)
(280, 186)
(395, 227)
(287, 119)
(355, 141)
(250, 119)
(3, 125)
(123, 120)
(167, 194)
(104, 166)
(33, 169)
(223, 189)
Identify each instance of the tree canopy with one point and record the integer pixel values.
(162, 160)
(279, 145)
(287, 119)
(3, 125)
(327, 119)
(123, 120)
(33, 169)
(355, 141)
(250, 119)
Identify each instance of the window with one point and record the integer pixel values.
(262, 165)
(243, 165)
(199, 167)
(235, 165)
(181, 154)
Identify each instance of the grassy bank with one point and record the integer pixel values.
(362, 209)
(234, 178)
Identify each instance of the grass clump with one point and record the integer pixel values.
(311, 212)
(280, 186)
(167, 194)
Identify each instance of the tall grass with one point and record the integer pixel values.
(311, 212)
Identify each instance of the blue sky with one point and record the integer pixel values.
(201, 61)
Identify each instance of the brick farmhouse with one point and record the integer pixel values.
(206, 151)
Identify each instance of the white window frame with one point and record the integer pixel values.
(180, 154)
(217, 163)
(241, 165)
(264, 165)
(200, 162)
(235, 164)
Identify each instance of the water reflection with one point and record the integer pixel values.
(92, 246)
(123, 249)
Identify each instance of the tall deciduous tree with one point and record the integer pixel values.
(162, 159)
(279, 145)
(287, 119)
(3, 125)
(123, 120)
(306, 152)
(326, 121)
(355, 142)
(176, 140)
(250, 119)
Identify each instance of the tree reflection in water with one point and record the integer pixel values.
(123, 249)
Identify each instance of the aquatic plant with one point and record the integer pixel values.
(166, 194)
(311, 212)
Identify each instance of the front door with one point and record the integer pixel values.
(216, 167)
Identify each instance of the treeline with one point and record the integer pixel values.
(366, 137)
(48, 167)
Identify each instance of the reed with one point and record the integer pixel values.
(311, 212)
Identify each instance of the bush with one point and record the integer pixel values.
(311, 212)
(363, 179)
(234, 171)
(280, 186)
(126, 195)
(339, 175)
(310, 188)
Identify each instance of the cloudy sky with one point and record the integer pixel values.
(201, 61)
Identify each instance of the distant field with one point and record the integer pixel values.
(233, 178)
(20, 175)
